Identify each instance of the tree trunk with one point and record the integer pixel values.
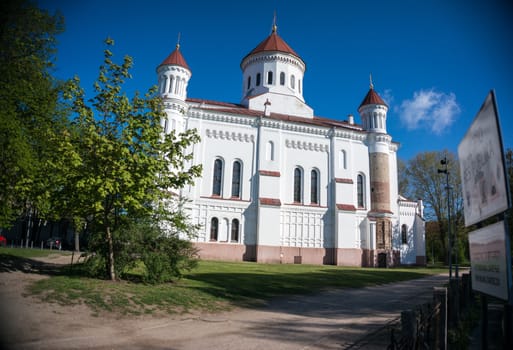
(77, 241)
(112, 273)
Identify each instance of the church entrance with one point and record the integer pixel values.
(382, 260)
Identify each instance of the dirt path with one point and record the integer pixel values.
(331, 320)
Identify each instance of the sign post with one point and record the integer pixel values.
(485, 195)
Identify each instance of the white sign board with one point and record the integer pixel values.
(482, 166)
(489, 261)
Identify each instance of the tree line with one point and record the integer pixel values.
(423, 177)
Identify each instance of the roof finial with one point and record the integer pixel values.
(178, 42)
(275, 27)
(371, 85)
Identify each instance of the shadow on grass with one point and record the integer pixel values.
(251, 289)
(9, 263)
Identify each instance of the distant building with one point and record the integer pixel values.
(281, 185)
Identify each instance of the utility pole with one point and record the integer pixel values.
(444, 162)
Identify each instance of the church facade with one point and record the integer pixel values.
(281, 185)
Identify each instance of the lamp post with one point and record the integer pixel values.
(444, 163)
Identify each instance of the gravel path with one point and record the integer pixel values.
(336, 319)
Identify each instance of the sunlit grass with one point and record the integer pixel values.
(213, 286)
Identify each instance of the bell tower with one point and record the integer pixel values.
(373, 111)
(173, 76)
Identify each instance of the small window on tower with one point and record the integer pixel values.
(404, 234)
(282, 78)
(269, 78)
(249, 82)
(258, 77)
(292, 81)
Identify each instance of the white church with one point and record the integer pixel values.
(281, 185)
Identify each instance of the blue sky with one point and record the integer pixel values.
(434, 61)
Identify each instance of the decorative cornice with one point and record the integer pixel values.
(307, 146)
(282, 57)
(231, 136)
(269, 173)
(255, 121)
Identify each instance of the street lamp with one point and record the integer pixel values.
(444, 162)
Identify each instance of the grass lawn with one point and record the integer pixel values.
(213, 286)
(31, 252)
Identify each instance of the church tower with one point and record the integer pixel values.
(373, 111)
(272, 78)
(173, 76)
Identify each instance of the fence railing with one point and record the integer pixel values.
(425, 327)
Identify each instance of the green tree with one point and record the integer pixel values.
(121, 166)
(29, 108)
(424, 180)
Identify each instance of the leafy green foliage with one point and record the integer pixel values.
(120, 165)
(30, 113)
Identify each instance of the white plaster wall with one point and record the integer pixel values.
(407, 216)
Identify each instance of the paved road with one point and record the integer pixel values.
(336, 319)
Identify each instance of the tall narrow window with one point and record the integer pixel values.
(214, 229)
(343, 159)
(359, 191)
(249, 82)
(292, 81)
(258, 77)
(235, 231)
(282, 78)
(299, 85)
(171, 84)
(218, 176)
(269, 78)
(404, 234)
(297, 185)
(236, 179)
(269, 152)
(314, 187)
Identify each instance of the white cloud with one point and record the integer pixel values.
(429, 109)
(388, 97)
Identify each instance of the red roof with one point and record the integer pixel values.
(234, 108)
(372, 98)
(273, 43)
(175, 58)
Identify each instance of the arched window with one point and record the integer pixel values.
(299, 85)
(218, 177)
(171, 81)
(292, 81)
(314, 187)
(249, 82)
(235, 230)
(269, 151)
(214, 229)
(258, 79)
(282, 78)
(360, 191)
(343, 159)
(236, 179)
(404, 234)
(270, 78)
(164, 82)
(297, 185)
